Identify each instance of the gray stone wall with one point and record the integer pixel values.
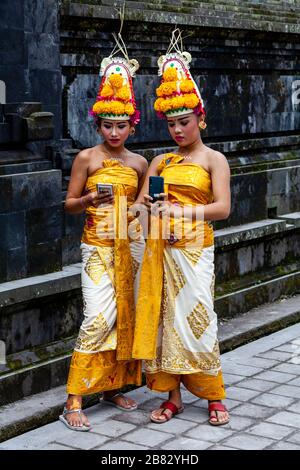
(29, 53)
(31, 224)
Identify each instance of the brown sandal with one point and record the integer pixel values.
(167, 405)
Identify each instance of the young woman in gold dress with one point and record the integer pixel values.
(176, 325)
(102, 357)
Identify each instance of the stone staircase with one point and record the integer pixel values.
(269, 15)
(257, 249)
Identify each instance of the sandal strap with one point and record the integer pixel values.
(216, 407)
(67, 412)
(168, 405)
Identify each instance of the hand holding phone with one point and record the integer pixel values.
(156, 187)
(105, 193)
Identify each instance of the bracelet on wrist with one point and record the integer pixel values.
(82, 202)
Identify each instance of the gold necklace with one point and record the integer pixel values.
(185, 157)
(114, 158)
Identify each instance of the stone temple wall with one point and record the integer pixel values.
(246, 62)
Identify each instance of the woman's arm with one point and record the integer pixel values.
(220, 178)
(75, 202)
(144, 169)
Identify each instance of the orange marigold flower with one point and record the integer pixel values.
(157, 104)
(116, 107)
(166, 89)
(191, 100)
(186, 86)
(98, 107)
(123, 93)
(116, 80)
(165, 106)
(177, 102)
(107, 91)
(170, 75)
(129, 109)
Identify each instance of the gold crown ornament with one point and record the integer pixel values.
(178, 93)
(115, 97)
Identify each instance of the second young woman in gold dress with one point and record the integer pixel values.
(176, 325)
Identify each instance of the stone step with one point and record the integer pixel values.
(257, 11)
(283, 21)
(292, 219)
(249, 12)
(234, 235)
(15, 168)
(258, 292)
(39, 287)
(33, 371)
(43, 408)
(248, 150)
(14, 156)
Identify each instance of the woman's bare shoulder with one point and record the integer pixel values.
(138, 158)
(216, 159)
(85, 156)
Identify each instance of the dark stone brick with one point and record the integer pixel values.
(43, 51)
(3, 264)
(15, 79)
(11, 15)
(44, 258)
(41, 16)
(6, 193)
(71, 250)
(16, 264)
(36, 190)
(12, 47)
(45, 86)
(5, 133)
(12, 230)
(17, 128)
(73, 227)
(43, 225)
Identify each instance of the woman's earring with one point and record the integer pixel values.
(202, 125)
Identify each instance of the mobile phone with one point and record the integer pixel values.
(104, 188)
(156, 186)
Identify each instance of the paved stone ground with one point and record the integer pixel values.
(263, 396)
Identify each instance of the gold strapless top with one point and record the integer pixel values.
(99, 220)
(187, 184)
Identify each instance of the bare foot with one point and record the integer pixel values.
(76, 419)
(120, 400)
